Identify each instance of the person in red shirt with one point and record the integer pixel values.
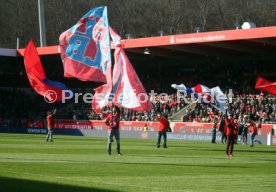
(164, 124)
(229, 127)
(50, 125)
(113, 121)
(253, 132)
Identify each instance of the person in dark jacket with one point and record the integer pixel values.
(222, 130)
(214, 131)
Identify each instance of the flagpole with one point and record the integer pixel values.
(41, 23)
(111, 66)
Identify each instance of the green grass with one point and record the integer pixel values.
(71, 163)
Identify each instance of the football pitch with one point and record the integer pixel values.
(74, 163)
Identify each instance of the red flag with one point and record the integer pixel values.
(127, 88)
(101, 98)
(51, 90)
(265, 85)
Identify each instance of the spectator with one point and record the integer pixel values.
(244, 130)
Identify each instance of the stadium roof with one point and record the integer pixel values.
(168, 54)
(260, 41)
(8, 52)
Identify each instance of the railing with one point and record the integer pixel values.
(178, 116)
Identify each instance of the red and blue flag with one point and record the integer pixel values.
(85, 48)
(213, 96)
(52, 90)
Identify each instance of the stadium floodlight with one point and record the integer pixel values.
(146, 51)
(248, 25)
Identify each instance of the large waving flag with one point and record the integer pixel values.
(214, 96)
(220, 99)
(52, 90)
(265, 85)
(197, 89)
(127, 90)
(101, 98)
(85, 48)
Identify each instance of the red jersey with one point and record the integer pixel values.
(236, 127)
(163, 124)
(229, 127)
(225, 127)
(253, 128)
(50, 121)
(113, 121)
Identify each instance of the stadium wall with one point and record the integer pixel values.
(185, 131)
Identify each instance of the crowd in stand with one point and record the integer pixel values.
(165, 105)
(18, 104)
(256, 107)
